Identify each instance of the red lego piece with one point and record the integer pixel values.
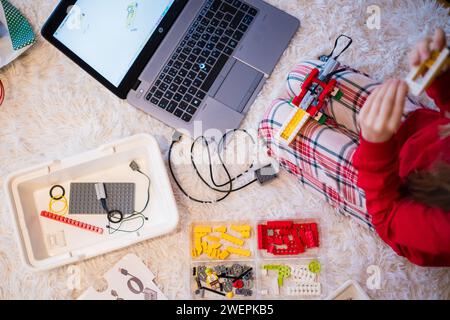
(238, 284)
(302, 235)
(299, 244)
(279, 224)
(327, 90)
(309, 239)
(306, 84)
(278, 240)
(315, 231)
(287, 237)
(262, 236)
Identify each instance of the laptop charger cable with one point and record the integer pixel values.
(262, 175)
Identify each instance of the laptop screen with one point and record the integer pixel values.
(110, 35)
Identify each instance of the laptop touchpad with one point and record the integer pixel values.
(238, 86)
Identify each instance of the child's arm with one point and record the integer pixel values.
(438, 91)
(410, 228)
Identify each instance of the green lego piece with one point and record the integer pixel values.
(283, 272)
(323, 119)
(272, 266)
(338, 95)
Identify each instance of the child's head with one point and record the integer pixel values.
(432, 187)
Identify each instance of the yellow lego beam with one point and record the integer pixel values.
(295, 122)
(240, 252)
(232, 239)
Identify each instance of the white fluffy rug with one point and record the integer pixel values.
(53, 110)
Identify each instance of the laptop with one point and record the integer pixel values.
(195, 65)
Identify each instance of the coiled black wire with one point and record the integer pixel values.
(216, 186)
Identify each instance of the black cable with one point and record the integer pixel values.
(336, 44)
(220, 147)
(221, 142)
(148, 191)
(111, 214)
(229, 181)
(181, 188)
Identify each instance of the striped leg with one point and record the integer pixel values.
(321, 155)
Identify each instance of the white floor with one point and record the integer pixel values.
(53, 109)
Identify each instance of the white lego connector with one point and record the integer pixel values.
(100, 191)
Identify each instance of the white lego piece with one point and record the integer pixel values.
(56, 240)
(264, 272)
(277, 290)
(302, 274)
(305, 289)
(422, 76)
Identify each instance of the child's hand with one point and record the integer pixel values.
(381, 115)
(422, 51)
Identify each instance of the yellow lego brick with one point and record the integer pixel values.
(215, 245)
(200, 234)
(194, 253)
(220, 229)
(198, 246)
(213, 238)
(245, 234)
(224, 254)
(240, 228)
(292, 124)
(232, 239)
(202, 229)
(240, 252)
(205, 246)
(209, 251)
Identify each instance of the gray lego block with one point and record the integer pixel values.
(119, 196)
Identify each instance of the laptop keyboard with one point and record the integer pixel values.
(200, 56)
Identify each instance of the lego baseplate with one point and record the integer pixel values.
(83, 198)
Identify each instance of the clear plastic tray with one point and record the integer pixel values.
(257, 260)
(297, 283)
(309, 252)
(246, 276)
(248, 243)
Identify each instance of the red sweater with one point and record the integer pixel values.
(416, 231)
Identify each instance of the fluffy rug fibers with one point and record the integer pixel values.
(53, 110)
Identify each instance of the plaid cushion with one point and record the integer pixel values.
(321, 155)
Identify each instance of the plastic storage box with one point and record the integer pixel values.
(301, 283)
(45, 243)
